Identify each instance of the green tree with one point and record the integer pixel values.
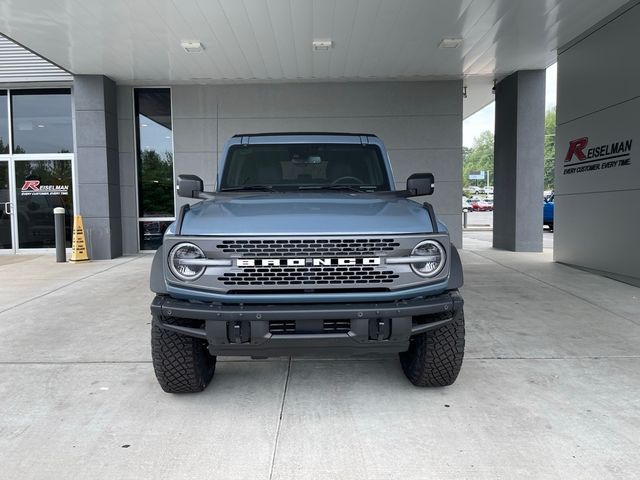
(549, 148)
(478, 158)
(156, 183)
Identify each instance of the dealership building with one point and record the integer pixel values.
(103, 104)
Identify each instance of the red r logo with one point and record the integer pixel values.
(575, 148)
(31, 185)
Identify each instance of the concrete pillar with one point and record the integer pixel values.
(519, 162)
(97, 169)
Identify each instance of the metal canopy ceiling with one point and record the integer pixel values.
(138, 41)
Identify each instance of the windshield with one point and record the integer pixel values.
(305, 166)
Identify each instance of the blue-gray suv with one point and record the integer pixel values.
(306, 248)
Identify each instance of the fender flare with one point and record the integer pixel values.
(156, 279)
(456, 275)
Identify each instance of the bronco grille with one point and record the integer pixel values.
(325, 275)
(307, 247)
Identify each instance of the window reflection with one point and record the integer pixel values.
(151, 234)
(155, 152)
(41, 186)
(4, 123)
(41, 121)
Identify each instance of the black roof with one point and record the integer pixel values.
(345, 134)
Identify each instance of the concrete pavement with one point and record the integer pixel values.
(548, 388)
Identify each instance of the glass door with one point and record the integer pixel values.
(41, 186)
(36, 157)
(6, 210)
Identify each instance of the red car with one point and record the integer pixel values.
(482, 206)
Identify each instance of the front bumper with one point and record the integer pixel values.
(245, 329)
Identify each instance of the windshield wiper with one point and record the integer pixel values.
(350, 188)
(262, 188)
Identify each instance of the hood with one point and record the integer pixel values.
(306, 213)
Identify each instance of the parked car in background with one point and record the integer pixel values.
(466, 205)
(547, 212)
(482, 206)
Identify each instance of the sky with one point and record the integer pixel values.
(484, 119)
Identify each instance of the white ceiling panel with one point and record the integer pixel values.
(138, 41)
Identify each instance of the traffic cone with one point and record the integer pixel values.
(78, 244)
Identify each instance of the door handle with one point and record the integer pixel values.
(8, 208)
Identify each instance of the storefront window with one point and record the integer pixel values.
(4, 123)
(41, 121)
(155, 164)
(41, 186)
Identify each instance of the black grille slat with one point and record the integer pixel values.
(320, 275)
(308, 276)
(306, 247)
(282, 327)
(337, 326)
(288, 327)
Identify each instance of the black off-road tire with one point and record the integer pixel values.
(434, 358)
(182, 364)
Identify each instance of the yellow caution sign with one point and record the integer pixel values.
(78, 244)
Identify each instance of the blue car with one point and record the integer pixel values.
(547, 212)
(306, 248)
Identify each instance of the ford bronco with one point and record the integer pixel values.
(306, 248)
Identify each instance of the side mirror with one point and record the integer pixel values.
(420, 184)
(190, 186)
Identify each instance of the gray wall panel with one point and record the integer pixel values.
(97, 160)
(124, 101)
(601, 70)
(203, 164)
(93, 167)
(379, 99)
(127, 168)
(444, 163)
(189, 101)
(439, 131)
(599, 231)
(194, 134)
(420, 122)
(597, 200)
(126, 145)
(91, 128)
(519, 161)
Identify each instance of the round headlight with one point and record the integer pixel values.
(183, 261)
(434, 255)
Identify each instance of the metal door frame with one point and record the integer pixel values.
(11, 160)
(12, 201)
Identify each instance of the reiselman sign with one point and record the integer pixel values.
(580, 159)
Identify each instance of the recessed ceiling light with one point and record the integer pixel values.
(40, 126)
(322, 45)
(450, 43)
(192, 46)
(144, 125)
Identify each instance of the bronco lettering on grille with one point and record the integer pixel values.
(301, 262)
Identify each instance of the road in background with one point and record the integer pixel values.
(479, 233)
